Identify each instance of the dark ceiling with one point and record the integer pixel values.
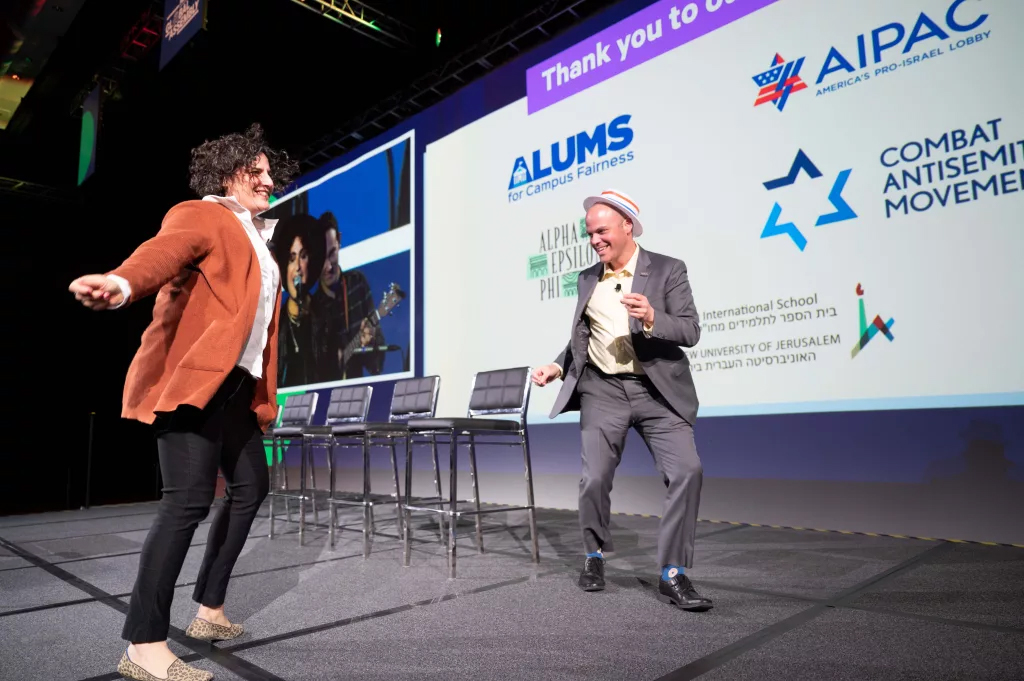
(273, 61)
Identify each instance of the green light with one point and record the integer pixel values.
(87, 148)
(437, 39)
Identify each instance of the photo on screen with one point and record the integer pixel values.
(344, 248)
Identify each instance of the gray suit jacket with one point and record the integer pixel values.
(676, 325)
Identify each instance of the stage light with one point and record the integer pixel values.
(90, 131)
(360, 18)
(437, 39)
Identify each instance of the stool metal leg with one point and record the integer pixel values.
(302, 492)
(437, 484)
(312, 480)
(407, 534)
(398, 494)
(332, 508)
(476, 496)
(280, 466)
(275, 473)
(284, 467)
(367, 505)
(453, 505)
(529, 497)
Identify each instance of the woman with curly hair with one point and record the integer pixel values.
(206, 377)
(299, 249)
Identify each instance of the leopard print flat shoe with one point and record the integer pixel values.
(178, 671)
(208, 631)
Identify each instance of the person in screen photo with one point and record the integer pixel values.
(205, 376)
(298, 247)
(345, 315)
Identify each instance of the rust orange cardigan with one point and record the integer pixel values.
(206, 275)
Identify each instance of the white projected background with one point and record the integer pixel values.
(948, 276)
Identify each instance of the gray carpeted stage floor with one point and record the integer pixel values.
(790, 604)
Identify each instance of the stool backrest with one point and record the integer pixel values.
(504, 391)
(298, 409)
(415, 398)
(349, 405)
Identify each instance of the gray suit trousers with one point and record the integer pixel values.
(609, 407)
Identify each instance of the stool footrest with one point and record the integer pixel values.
(482, 511)
(433, 501)
(287, 494)
(380, 500)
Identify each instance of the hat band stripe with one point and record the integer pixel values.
(623, 199)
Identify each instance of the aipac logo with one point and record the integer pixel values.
(580, 155)
(892, 47)
(779, 82)
(842, 211)
(868, 332)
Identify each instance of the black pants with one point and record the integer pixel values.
(192, 443)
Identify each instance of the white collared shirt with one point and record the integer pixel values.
(259, 231)
(611, 343)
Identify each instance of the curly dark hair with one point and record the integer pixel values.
(310, 231)
(215, 162)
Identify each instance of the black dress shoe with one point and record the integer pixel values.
(592, 577)
(679, 592)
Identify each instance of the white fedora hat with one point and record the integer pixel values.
(621, 202)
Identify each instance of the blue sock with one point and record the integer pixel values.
(596, 554)
(665, 571)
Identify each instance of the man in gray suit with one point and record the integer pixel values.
(624, 367)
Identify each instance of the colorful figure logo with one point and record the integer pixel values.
(869, 332)
(779, 82)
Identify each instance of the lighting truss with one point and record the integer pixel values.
(139, 40)
(508, 43)
(31, 190)
(145, 34)
(363, 19)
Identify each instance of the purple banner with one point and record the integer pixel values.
(638, 38)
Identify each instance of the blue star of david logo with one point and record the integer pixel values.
(842, 211)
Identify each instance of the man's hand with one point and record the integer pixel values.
(545, 374)
(365, 333)
(97, 291)
(638, 307)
